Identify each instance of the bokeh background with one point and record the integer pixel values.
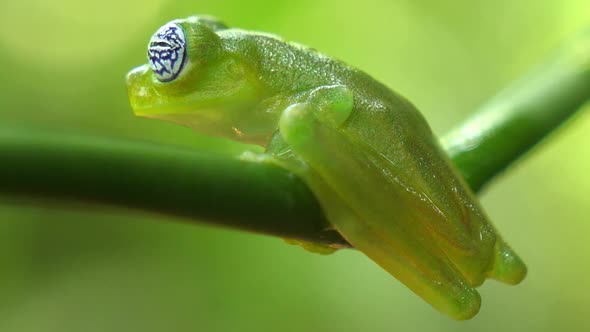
(65, 268)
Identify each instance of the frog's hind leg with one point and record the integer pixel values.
(362, 206)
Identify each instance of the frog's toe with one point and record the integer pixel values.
(335, 103)
(466, 305)
(508, 267)
(297, 124)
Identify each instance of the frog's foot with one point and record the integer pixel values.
(363, 206)
(256, 157)
(312, 246)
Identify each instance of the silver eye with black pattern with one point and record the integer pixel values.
(167, 52)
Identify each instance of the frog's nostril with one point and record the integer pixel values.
(135, 74)
(138, 92)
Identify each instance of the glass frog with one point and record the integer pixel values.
(365, 151)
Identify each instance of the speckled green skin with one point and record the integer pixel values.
(366, 153)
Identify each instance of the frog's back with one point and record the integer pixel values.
(382, 120)
(389, 137)
(376, 106)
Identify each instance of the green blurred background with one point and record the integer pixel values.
(70, 268)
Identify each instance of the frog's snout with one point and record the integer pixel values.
(135, 74)
(138, 90)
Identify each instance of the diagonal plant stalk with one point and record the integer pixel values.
(519, 117)
(266, 199)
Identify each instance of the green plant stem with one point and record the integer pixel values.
(519, 117)
(263, 198)
(167, 180)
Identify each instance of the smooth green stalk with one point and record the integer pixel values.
(519, 117)
(266, 199)
(166, 180)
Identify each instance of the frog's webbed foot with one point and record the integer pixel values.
(361, 204)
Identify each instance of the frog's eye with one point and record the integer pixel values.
(167, 52)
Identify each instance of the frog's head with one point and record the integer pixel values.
(193, 80)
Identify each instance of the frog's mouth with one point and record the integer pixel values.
(205, 110)
(147, 100)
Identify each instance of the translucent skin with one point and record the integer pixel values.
(366, 152)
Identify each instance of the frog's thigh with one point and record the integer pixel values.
(355, 196)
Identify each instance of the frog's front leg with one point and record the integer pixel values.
(360, 203)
